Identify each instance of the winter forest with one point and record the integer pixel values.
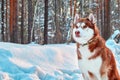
(48, 21)
(36, 40)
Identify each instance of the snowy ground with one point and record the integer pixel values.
(43, 62)
(38, 62)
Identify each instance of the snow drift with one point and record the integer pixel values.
(38, 62)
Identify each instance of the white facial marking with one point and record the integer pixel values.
(80, 25)
(85, 33)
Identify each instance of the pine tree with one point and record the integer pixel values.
(22, 21)
(46, 22)
(30, 19)
(2, 23)
(13, 21)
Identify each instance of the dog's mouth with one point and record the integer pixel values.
(77, 35)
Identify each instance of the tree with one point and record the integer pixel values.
(13, 21)
(30, 19)
(118, 1)
(2, 23)
(7, 35)
(58, 35)
(70, 8)
(22, 21)
(107, 26)
(46, 22)
(75, 5)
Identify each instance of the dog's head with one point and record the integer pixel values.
(84, 29)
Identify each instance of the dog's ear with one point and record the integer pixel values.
(76, 18)
(92, 18)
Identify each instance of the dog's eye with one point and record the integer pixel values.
(76, 26)
(83, 27)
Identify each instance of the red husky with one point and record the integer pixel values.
(96, 61)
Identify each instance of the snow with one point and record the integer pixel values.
(43, 62)
(115, 48)
(38, 62)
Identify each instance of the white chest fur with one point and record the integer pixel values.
(86, 65)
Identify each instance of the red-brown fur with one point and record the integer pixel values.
(98, 44)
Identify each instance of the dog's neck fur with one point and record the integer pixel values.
(89, 42)
(93, 43)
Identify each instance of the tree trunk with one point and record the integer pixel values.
(63, 22)
(107, 27)
(33, 26)
(15, 28)
(2, 23)
(70, 8)
(97, 13)
(30, 19)
(58, 35)
(75, 5)
(13, 21)
(22, 22)
(82, 7)
(118, 12)
(7, 36)
(101, 17)
(46, 22)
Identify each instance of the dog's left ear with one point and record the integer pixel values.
(92, 18)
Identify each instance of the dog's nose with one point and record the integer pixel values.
(77, 32)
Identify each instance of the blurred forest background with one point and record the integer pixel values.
(48, 21)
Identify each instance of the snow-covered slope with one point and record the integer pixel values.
(38, 62)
